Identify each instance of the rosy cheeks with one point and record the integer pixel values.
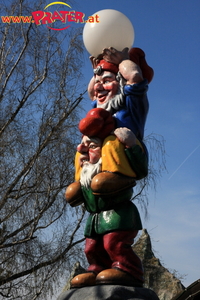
(112, 87)
(109, 86)
(90, 150)
(91, 155)
(94, 155)
(106, 91)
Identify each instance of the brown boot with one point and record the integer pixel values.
(74, 194)
(115, 276)
(85, 279)
(107, 183)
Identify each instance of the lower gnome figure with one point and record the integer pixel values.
(114, 220)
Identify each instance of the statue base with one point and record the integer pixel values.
(109, 292)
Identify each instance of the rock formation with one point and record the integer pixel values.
(157, 277)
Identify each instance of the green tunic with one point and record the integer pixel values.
(112, 213)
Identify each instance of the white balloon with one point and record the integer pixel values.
(114, 29)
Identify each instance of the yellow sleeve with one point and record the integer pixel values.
(77, 167)
(114, 158)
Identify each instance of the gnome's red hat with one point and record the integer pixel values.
(97, 123)
(136, 55)
(104, 65)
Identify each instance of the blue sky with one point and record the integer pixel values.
(169, 32)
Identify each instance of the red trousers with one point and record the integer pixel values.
(113, 250)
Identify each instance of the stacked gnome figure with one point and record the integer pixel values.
(109, 160)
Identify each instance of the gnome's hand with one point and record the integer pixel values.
(125, 136)
(114, 56)
(95, 60)
(137, 55)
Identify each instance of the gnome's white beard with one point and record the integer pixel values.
(114, 104)
(88, 172)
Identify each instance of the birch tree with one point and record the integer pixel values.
(40, 93)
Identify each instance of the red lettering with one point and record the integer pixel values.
(64, 14)
(47, 18)
(93, 19)
(16, 19)
(90, 19)
(71, 17)
(37, 16)
(97, 18)
(26, 19)
(5, 19)
(56, 16)
(79, 17)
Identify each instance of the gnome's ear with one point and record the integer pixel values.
(91, 88)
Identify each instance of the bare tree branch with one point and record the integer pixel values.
(40, 96)
(70, 245)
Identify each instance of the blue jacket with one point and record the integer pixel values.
(134, 112)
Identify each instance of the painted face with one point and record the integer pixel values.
(90, 149)
(105, 87)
